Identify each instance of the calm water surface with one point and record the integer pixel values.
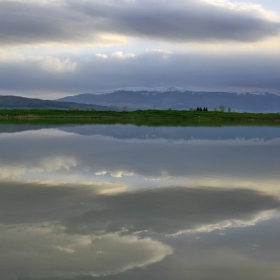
(127, 202)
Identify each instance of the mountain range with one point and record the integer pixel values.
(17, 102)
(152, 98)
(180, 99)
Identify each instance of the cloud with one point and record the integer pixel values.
(52, 64)
(100, 173)
(102, 55)
(85, 210)
(235, 152)
(60, 35)
(45, 63)
(170, 210)
(120, 174)
(36, 22)
(57, 163)
(64, 238)
(211, 71)
(94, 22)
(120, 54)
(77, 230)
(50, 252)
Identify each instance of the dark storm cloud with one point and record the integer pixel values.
(170, 210)
(84, 21)
(39, 248)
(35, 22)
(43, 248)
(236, 253)
(151, 68)
(166, 210)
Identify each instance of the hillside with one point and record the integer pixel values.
(16, 102)
(179, 99)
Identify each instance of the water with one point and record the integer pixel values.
(127, 202)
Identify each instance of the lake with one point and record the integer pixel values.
(137, 202)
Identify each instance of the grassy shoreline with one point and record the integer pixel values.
(139, 116)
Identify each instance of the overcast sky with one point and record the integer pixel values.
(50, 49)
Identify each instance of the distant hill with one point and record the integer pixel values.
(16, 102)
(180, 99)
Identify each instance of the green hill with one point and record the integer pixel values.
(17, 102)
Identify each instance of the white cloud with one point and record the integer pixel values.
(57, 163)
(163, 53)
(64, 249)
(234, 223)
(45, 63)
(50, 252)
(48, 165)
(102, 55)
(120, 54)
(120, 174)
(257, 9)
(160, 51)
(52, 64)
(100, 173)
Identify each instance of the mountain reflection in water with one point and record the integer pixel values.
(128, 202)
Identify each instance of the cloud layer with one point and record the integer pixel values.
(241, 72)
(28, 22)
(45, 250)
(54, 227)
(124, 41)
(45, 148)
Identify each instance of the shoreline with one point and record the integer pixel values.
(145, 117)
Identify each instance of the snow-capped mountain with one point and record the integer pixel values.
(179, 98)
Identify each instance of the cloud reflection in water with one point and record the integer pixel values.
(77, 204)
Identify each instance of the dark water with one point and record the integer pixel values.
(127, 202)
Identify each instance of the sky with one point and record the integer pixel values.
(56, 48)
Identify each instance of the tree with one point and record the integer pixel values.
(124, 108)
(73, 108)
(222, 108)
(229, 109)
